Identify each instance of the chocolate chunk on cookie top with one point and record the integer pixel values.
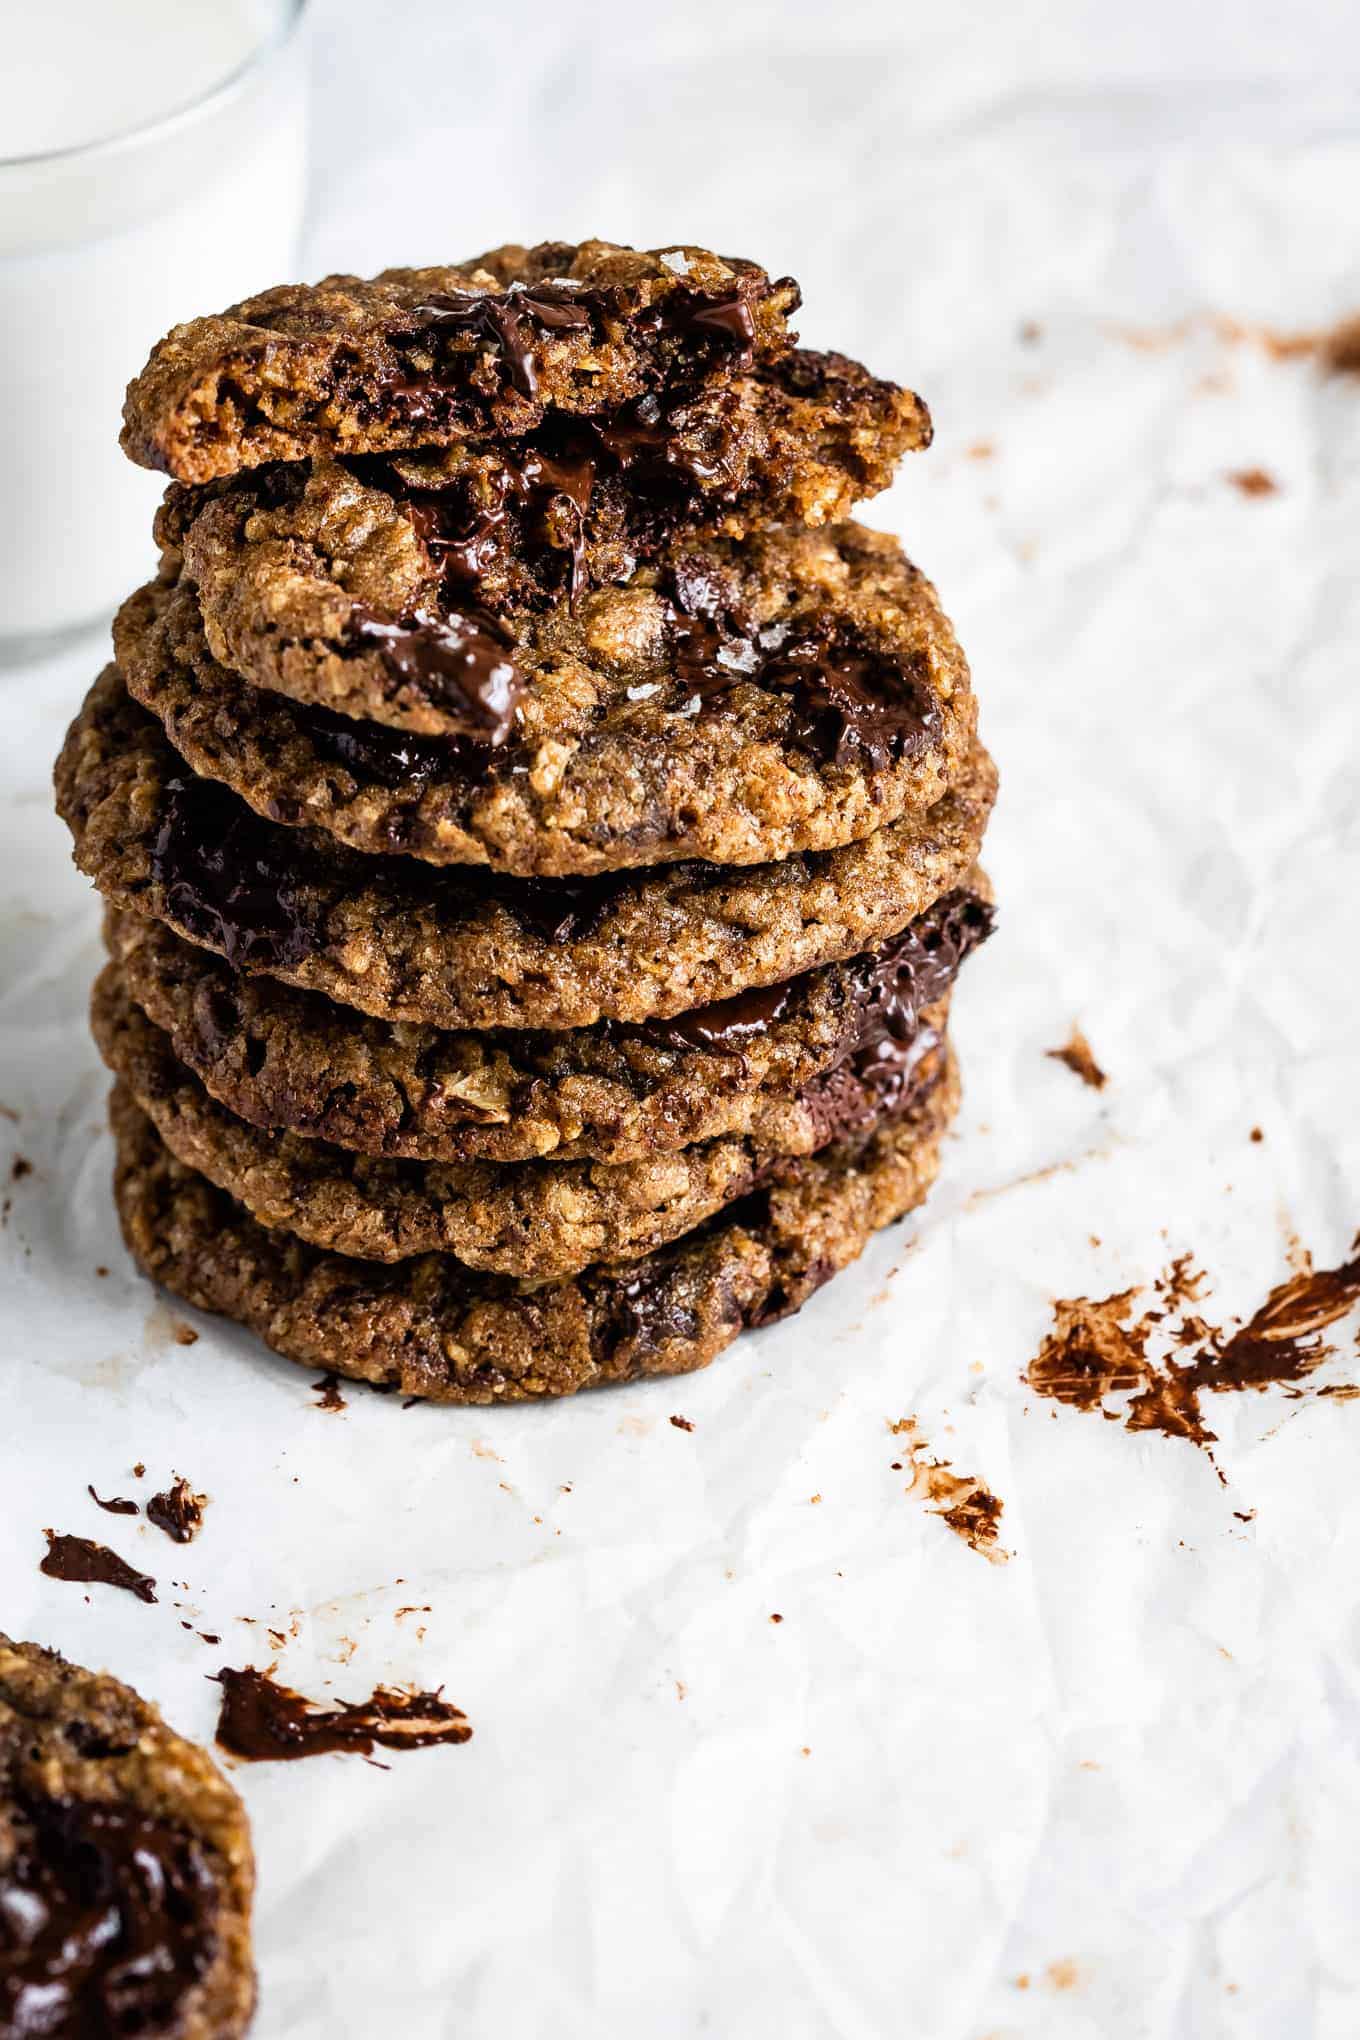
(125, 1866)
(426, 357)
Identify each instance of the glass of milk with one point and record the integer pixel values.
(153, 170)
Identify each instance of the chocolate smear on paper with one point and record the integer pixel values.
(1075, 1055)
(969, 1508)
(78, 1559)
(1101, 1348)
(268, 1723)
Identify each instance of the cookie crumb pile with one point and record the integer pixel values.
(538, 829)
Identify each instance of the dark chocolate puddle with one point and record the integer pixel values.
(86, 1563)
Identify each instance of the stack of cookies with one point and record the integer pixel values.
(539, 831)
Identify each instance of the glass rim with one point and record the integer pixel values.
(289, 16)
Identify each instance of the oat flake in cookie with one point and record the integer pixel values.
(426, 357)
(403, 941)
(434, 1329)
(125, 1866)
(791, 692)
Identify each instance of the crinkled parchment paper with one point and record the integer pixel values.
(1110, 1787)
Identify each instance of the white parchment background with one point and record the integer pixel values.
(1113, 1787)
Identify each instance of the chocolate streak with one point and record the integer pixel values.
(106, 1922)
(117, 1505)
(266, 1723)
(76, 1558)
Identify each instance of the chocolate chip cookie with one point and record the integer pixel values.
(789, 693)
(405, 941)
(534, 1220)
(336, 580)
(437, 1330)
(426, 357)
(290, 1060)
(125, 1865)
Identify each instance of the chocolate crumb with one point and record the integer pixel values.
(101, 1270)
(19, 1168)
(265, 1722)
(139, 1470)
(117, 1505)
(1256, 1134)
(1254, 481)
(80, 1560)
(969, 1509)
(776, 1618)
(327, 1393)
(184, 1335)
(1075, 1055)
(178, 1511)
(682, 1423)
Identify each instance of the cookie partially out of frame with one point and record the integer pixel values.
(125, 1865)
(291, 1060)
(425, 357)
(434, 1329)
(790, 692)
(537, 1221)
(401, 940)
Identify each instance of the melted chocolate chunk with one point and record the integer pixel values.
(460, 660)
(727, 1024)
(225, 882)
(76, 1558)
(106, 1922)
(880, 1082)
(467, 529)
(889, 988)
(647, 445)
(561, 909)
(509, 322)
(849, 704)
(719, 325)
(117, 1505)
(178, 1511)
(267, 1723)
(642, 1312)
(372, 751)
(893, 984)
